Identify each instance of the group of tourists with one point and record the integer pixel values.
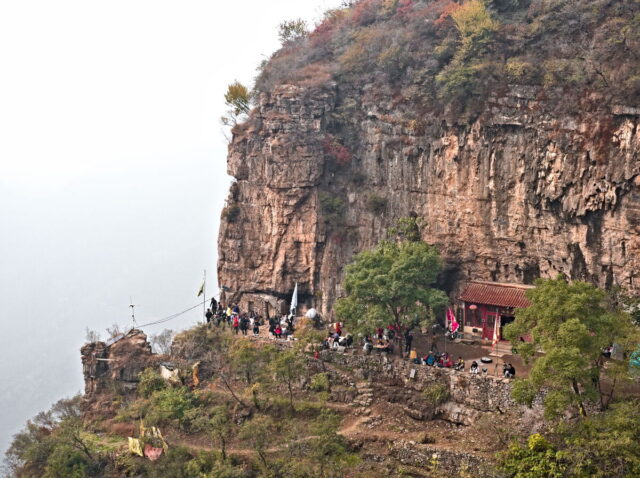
(434, 359)
(334, 339)
(381, 341)
(443, 360)
(281, 328)
(241, 323)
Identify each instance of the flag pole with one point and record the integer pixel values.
(204, 297)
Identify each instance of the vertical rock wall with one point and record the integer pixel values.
(528, 188)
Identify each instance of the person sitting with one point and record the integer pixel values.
(459, 364)
(383, 346)
(445, 361)
(430, 359)
(391, 333)
(349, 341)
(326, 343)
(474, 367)
(345, 341)
(367, 346)
(509, 370)
(505, 370)
(413, 356)
(278, 331)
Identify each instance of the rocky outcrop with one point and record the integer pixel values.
(525, 189)
(115, 365)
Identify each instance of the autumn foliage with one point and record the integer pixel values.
(339, 153)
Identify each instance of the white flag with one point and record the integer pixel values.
(294, 299)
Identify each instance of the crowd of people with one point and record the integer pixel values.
(382, 340)
(241, 322)
(443, 360)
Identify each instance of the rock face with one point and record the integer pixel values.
(116, 363)
(523, 190)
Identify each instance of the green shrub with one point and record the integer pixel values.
(561, 71)
(231, 213)
(171, 406)
(150, 381)
(67, 462)
(468, 72)
(436, 394)
(538, 459)
(520, 71)
(444, 51)
(332, 208)
(319, 382)
(376, 204)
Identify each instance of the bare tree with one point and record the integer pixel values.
(92, 336)
(161, 342)
(114, 331)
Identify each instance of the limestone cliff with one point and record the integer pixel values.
(538, 180)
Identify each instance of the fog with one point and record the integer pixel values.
(112, 171)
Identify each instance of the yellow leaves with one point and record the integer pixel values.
(473, 18)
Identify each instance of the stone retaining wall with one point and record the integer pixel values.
(469, 395)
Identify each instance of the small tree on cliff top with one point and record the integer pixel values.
(237, 98)
(571, 323)
(391, 284)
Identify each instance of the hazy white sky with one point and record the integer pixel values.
(112, 169)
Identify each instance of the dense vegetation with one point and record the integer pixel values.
(251, 420)
(449, 53)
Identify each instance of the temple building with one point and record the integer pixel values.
(489, 306)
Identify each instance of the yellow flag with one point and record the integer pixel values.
(135, 447)
(201, 291)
